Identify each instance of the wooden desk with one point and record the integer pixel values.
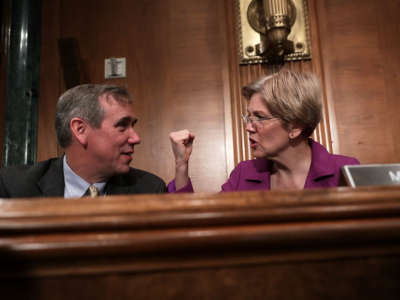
(316, 244)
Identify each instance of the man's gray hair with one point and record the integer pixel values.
(82, 102)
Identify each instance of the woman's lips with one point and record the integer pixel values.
(253, 143)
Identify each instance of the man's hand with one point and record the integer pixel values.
(182, 145)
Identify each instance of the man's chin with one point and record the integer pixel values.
(123, 169)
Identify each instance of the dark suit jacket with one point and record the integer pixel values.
(46, 179)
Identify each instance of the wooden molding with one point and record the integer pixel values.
(152, 231)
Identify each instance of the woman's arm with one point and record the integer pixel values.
(182, 145)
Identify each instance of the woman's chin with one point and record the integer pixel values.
(256, 153)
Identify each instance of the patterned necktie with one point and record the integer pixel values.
(94, 192)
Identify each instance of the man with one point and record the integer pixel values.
(95, 127)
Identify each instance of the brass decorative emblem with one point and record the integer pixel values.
(273, 31)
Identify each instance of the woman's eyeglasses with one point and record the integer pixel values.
(255, 120)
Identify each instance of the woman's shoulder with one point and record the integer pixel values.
(257, 164)
(321, 153)
(344, 160)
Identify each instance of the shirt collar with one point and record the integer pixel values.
(75, 186)
(322, 166)
(321, 163)
(259, 170)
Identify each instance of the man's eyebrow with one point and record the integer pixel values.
(125, 121)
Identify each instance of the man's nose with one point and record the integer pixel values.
(134, 138)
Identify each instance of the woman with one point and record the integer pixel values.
(282, 112)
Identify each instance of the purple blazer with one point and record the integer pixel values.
(255, 174)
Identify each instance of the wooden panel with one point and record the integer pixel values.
(364, 278)
(249, 73)
(183, 72)
(340, 243)
(50, 80)
(360, 58)
(388, 29)
(354, 53)
(230, 72)
(174, 54)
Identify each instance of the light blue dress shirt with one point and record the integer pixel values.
(75, 186)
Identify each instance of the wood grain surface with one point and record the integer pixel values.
(183, 71)
(248, 245)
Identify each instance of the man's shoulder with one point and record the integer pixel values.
(28, 170)
(137, 181)
(143, 175)
(22, 180)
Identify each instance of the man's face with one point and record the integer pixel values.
(111, 145)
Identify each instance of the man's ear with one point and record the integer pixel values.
(80, 130)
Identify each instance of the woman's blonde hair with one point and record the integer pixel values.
(293, 97)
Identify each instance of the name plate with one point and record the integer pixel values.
(373, 174)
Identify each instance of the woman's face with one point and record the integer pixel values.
(267, 137)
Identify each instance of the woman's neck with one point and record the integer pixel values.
(291, 167)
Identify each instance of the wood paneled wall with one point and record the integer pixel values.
(182, 69)
(355, 54)
(248, 73)
(360, 57)
(175, 61)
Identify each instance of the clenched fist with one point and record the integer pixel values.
(182, 145)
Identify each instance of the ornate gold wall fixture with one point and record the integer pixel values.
(273, 31)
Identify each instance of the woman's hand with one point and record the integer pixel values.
(182, 146)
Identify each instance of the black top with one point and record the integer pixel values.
(46, 179)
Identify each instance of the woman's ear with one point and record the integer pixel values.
(294, 132)
(79, 129)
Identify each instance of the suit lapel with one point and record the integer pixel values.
(117, 186)
(52, 182)
(258, 174)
